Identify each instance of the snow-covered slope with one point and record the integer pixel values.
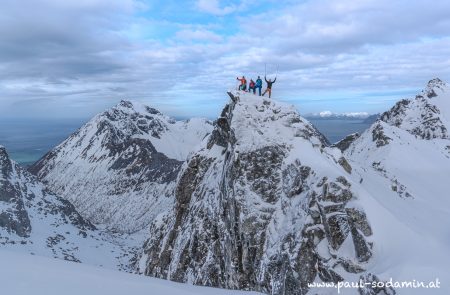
(33, 220)
(410, 146)
(119, 168)
(403, 161)
(26, 274)
(263, 205)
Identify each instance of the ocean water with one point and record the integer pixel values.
(335, 129)
(28, 140)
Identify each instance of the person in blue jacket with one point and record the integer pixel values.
(259, 85)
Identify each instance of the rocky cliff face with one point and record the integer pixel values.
(34, 220)
(120, 168)
(263, 205)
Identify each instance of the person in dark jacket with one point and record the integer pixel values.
(259, 85)
(269, 86)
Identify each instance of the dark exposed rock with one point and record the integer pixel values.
(261, 169)
(431, 93)
(379, 137)
(15, 218)
(345, 143)
(400, 189)
(363, 251)
(16, 221)
(281, 276)
(343, 162)
(350, 266)
(327, 274)
(339, 229)
(294, 179)
(339, 222)
(359, 220)
(394, 114)
(337, 193)
(222, 134)
(139, 157)
(311, 131)
(190, 178)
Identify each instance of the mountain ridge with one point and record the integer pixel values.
(112, 166)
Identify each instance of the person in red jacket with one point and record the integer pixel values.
(243, 85)
(252, 86)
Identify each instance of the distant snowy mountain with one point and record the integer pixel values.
(119, 168)
(264, 204)
(33, 220)
(330, 115)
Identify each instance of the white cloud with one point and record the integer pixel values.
(214, 7)
(328, 52)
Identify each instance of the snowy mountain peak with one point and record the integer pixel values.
(132, 119)
(119, 167)
(426, 116)
(136, 107)
(257, 122)
(264, 204)
(434, 85)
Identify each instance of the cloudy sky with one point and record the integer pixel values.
(73, 58)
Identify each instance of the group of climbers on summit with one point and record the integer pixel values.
(253, 85)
